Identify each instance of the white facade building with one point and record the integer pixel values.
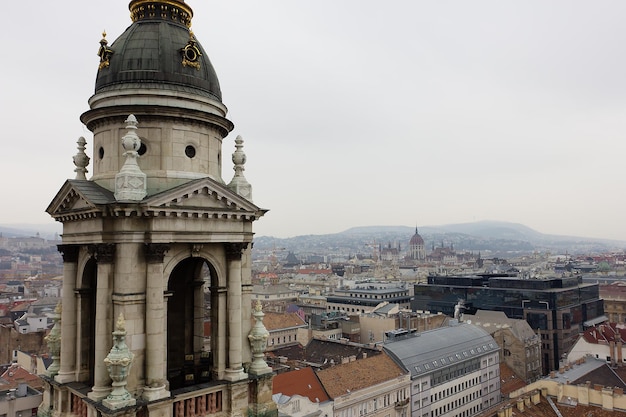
(455, 370)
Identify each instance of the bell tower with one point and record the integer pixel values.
(156, 317)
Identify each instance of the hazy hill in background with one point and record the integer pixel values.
(501, 239)
(46, 231)
(491, 238)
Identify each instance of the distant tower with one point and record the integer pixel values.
(153, 234)
(416, 247)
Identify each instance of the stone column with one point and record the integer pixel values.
(234, 372)
(155, 323)
(218, 336)
(67, 372)
(105, 255)
(246, 303)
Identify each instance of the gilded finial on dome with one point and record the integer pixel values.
(104, 52)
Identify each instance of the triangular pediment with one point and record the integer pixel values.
(79, 196)
(203, 195)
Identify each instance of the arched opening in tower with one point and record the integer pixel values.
(189, 322)
(87, 324)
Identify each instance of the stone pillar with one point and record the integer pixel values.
(234, 372)
(246, 310)
(67, 371)
(219, 325)
(105, 255)
(155, 323)
(262, 403)
(620, 358)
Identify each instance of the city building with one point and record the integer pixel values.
(614, 296)
(417, 252)
(274, 293)
(364, 297)
(22, 401)
(299, 393)
(587, 387)
(283, 329)
(520, 347)
(375, 386)
(388, 317)
(604, 341)
(454, 370)
(312, 304)
(144, 239)
(557, 308)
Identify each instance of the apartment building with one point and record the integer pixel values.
(454, 370)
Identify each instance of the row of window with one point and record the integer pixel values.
(465, 413)
(276, 340)
(438, 396)
(452, 372)
(370, 406)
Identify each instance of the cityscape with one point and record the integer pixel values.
(542, 322)
(162, 286)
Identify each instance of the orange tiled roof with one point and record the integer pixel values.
(509, 380)
(277, 321)
(301, 382)
(16, 374)
(606, 332)
(341, 379)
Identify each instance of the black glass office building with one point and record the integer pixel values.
(556, 308)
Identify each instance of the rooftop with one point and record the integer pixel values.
(346, 378)
(424, 352)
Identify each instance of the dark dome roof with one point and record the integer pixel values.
(416, 239)
(150, 54)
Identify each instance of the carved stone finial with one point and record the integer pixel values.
(104, 52)
(130, 182)
(53, 340)
(258, 342)
(239, 184)
(118, 363)
(120, 326)
(81, 160)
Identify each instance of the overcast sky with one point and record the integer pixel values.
(360, 112)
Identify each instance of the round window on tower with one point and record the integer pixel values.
(101, 152)
(142, 149)
(190, 151)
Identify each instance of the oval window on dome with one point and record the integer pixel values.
(190, 151)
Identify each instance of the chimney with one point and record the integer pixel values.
(612, 352)
(536, 398)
